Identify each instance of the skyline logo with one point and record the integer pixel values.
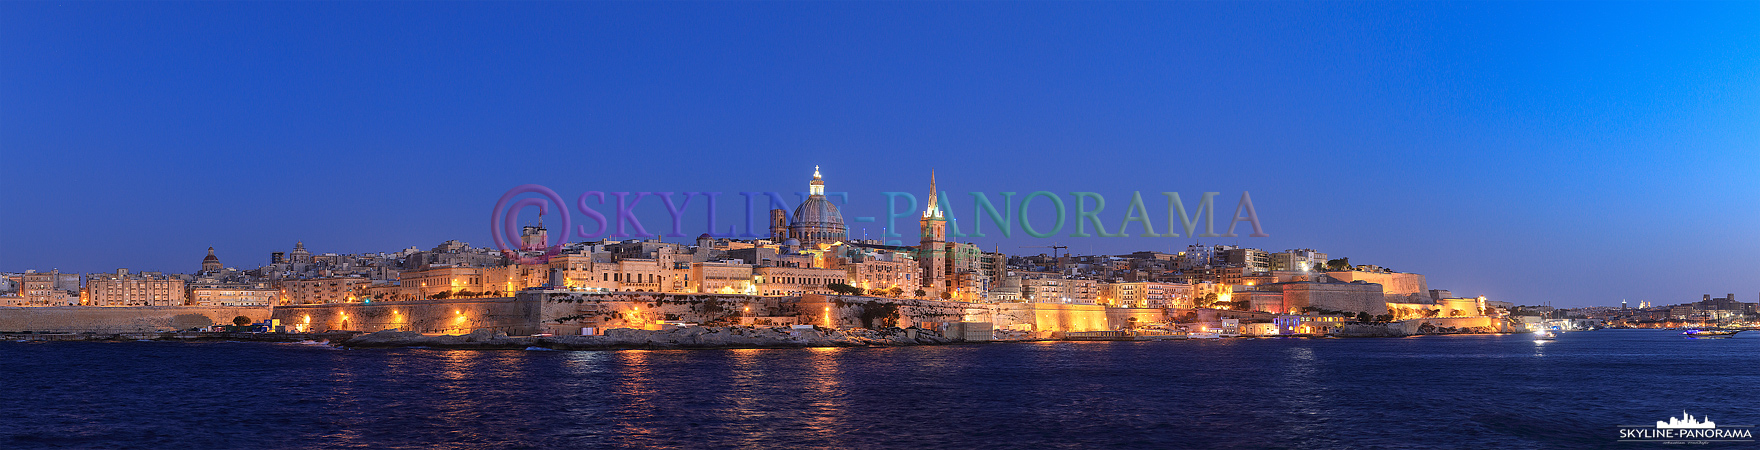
(1686, 421)
(1686, 429)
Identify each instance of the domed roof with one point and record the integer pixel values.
(211, 256)
(792, 242)
(817, 220)
(816, 211)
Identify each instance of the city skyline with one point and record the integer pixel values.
(1532, 154)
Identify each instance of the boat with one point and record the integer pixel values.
(1204, 335)
(1709, 333)
(1544, 335)
(1160, 335)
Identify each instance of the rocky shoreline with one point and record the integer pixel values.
(676, 338)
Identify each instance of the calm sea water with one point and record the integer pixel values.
(1424, 392)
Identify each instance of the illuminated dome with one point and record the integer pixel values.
(817, 220)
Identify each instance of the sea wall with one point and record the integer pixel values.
(1050, 317)
(511, 315)
(1414, 326)
(97, 319)
(848, 311)
(1121, 317)
(566, 313)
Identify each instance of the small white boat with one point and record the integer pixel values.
(1544, 335)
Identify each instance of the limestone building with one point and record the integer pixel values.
(142, 289)
(233, 294)
(322, 290)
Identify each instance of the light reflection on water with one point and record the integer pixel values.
(824, 394)
(634, 394)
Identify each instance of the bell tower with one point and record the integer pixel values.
(932, 248)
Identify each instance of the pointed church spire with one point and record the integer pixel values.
(934, 209)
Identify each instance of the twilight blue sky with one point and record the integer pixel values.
(1573, 153)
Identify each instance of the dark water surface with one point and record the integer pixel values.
(1425, 392)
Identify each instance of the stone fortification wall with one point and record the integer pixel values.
(79, 319)
(512, 315)
(566, 313)
(1398, 287)
(1051, 317)
(848, 311)
(1348, 297)
(1413, 326)
(1121, 317)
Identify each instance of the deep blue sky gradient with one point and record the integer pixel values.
(1573, 153)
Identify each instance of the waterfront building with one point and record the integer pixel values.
(46, 289)
(233, 294)
(1147, 294)
(875, 267)
(629, 266)
(722, 278)
(133, 289)
(322, 290)
(429, 282)
(796, 280)
(1042, 287)
(505, 280)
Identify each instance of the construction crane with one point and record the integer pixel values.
(1054, 248)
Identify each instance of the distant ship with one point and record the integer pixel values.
(1544, 335)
